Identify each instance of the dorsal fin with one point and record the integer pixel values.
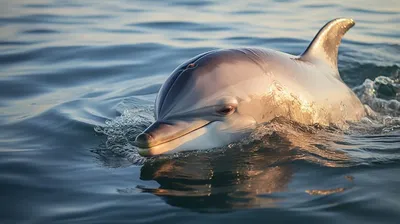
(326, 43)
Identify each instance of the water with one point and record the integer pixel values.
(78, 81)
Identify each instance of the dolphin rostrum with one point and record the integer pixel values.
(220, 96)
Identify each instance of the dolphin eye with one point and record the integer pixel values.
(226, 110)
(191, 65)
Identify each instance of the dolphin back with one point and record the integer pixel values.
(326, 43)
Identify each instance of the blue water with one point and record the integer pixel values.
(78, 80)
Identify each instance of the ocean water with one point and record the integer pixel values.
(78, 81)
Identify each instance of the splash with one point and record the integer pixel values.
(381, 94)
(381, 97)
(121, 131)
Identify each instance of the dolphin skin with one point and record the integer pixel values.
(220, 96)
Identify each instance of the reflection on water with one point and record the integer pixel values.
(219, 182)
(248, 174)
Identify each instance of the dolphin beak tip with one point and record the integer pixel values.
(143, 140)
(144, 152)
(142, 144)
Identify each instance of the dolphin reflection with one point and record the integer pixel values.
(238, 180)
(248, 175)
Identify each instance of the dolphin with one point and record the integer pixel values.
(221, 96)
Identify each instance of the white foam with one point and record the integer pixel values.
(123, 129)
(370, 93)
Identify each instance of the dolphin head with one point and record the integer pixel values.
(204, 104)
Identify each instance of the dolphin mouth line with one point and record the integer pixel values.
(173, 137)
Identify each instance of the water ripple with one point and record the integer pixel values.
(175, 25)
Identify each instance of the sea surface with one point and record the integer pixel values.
(78, 81)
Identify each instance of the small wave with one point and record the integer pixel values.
(40, 31)
(55, 5)
(7, 43)
(188, 26)
(42, 19)
(370, 12)
(320, 6)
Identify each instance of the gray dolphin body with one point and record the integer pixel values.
(220, 96)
